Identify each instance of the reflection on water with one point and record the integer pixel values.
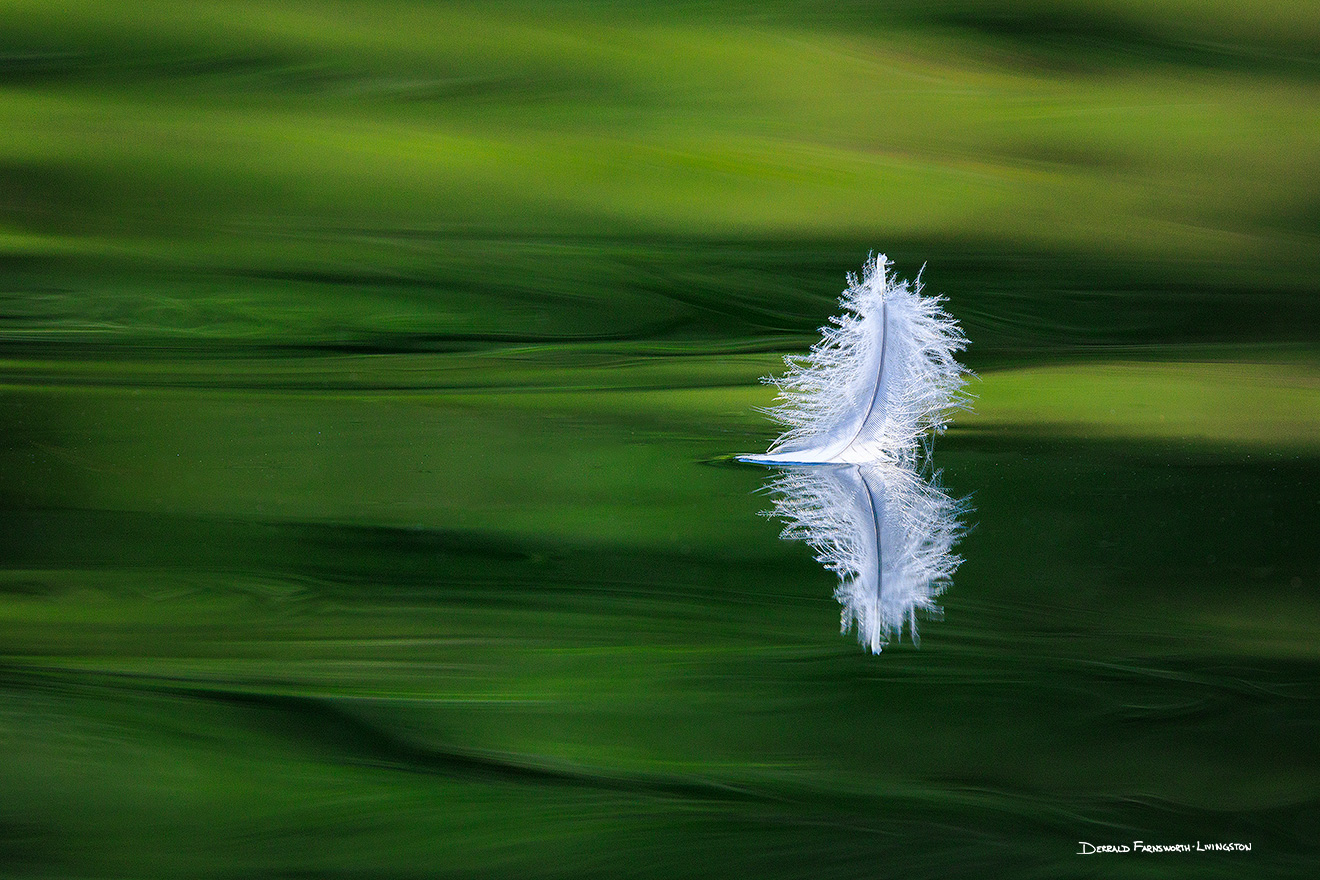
(885, 529)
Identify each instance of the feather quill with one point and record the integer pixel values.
(886, 531)
(882, 376)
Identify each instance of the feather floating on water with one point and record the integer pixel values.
(883, 375)
(885, 530)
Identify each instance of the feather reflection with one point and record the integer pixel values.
(886, 530)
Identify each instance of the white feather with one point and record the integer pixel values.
(887, 532)
(883, 375)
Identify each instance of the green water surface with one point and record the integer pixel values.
(369, 376)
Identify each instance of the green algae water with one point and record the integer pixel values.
(370, 377)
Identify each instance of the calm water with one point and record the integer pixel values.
(475, 629)
(370, 375)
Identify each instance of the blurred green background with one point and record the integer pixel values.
(369, 373)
